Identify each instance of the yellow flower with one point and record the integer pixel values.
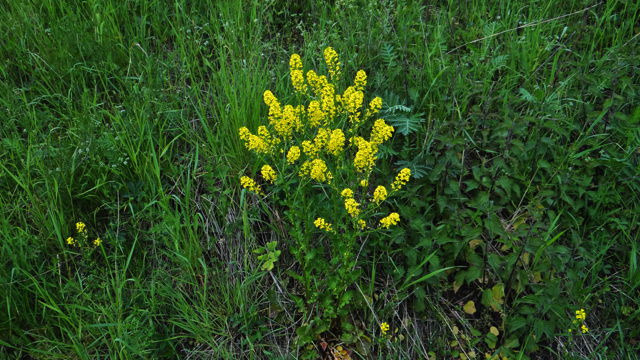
(321, 224)
(319, 171)
(379, 194)
(268, 173)
(81, 227)
(336, 142)
(352, 207)
(328, 103)
(317, 82)
(569, 330)
(97, 242)
(401, 179)
(392, 219)
(71, 241)
(374, 106)
(584, 329)
(362, 224)
(316, 115)
(361, 80)
(293, 154)
(352, 101)
(259, 144)
(384, 327)
(297, 76)
(380, 132)
(331, 58)
(304, 170)
(309, 149)
(248, 183)
(365, 159)
(364, 183)
(347, 193)
(275, 111)
(322, 138)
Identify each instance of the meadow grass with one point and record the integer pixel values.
(519, 121)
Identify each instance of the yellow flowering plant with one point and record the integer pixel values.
(317, 159)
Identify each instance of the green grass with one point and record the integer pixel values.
(125, 116)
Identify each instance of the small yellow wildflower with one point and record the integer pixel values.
(319, 171)
(275, 111)
(80, 226)
(259, 144)
(581, 315)
(316, 115)
(268, 173)
(352, 207)
(316, 82)
(352, 101)
(401, 179)
(379, 194)
(309, 149)
(364, 183)
(392, 219)
(304, 170)
(321, 224)
(362, 224)
(331, 58)
(297, 76)
(347, 193)
(248, 183)
(336, 142)
(71, 241)
(293, 154)
(322, 138)
(97, 242)
(384, 327)
(365, 159)
(328, 103)
(374, 106)
(584, 329)
(380, 132)
(361, 80)
(569, 330)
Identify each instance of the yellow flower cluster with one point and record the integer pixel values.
(581, 316)
(401, 179)
(362, 224)
(331, 58)
(71, 241)
(365, 157)
(380, 133)
(392, 219)
(347, 193)
(248, 183)
(379, 194)
(261, 144)
(361, 80)
(293, 154)
(319, 171)
(309, 149)
(352, 207)
(297, 77)
(275, 111)
(384, 328)
(328, 103)
(81, 227)
(322, 138)
(97, 242)
(364, 183)
(352, 100)
(321, 224)
(316, 115)
(374, 106)
(336, 142)
(268, 173)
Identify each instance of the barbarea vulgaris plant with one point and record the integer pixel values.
(318, 155)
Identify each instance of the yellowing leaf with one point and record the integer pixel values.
(455, 330)
(494, 331)
(463, 356)
(454, 343)
(469, 308)
(456, 286)
(473, 243)
(525, 258)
